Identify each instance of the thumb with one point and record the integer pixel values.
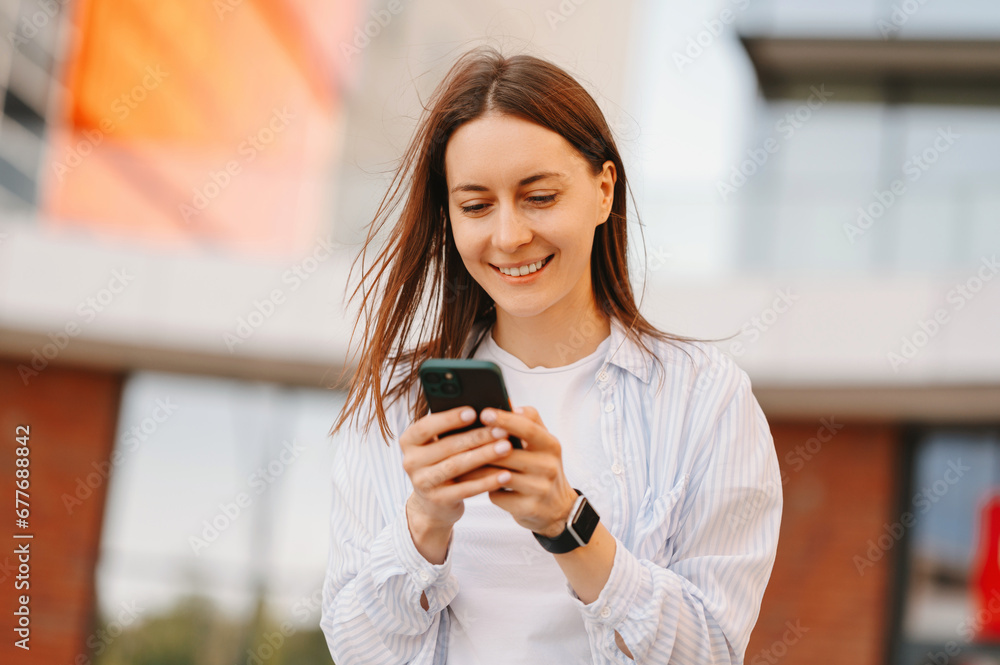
(530, 412)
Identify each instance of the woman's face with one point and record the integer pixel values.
(520, 194)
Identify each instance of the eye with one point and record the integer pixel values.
(548, 198)
(474, 208)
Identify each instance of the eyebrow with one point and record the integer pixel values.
(472, 187)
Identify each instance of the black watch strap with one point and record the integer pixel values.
(580, 527)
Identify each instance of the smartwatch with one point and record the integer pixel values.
(580, 527)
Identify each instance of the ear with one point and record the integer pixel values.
(606, 181)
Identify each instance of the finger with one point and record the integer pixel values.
(520, 494)
(507, 498)
(526, 484)
(433, 476)
(514, 492)
(479, 472)
(524, 427)
(487, 482)
(531, 413)
(425, 429)
(529, 462)
(454, 444)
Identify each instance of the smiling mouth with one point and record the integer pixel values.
(525, 269)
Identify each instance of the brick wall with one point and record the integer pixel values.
(817, 608)
(72, 414)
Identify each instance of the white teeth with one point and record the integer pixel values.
(523, 270)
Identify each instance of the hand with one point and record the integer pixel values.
(541, 497)
(434, 466)
(538, 494)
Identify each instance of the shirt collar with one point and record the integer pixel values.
(623, 352)
(628, 355)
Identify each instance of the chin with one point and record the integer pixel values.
(522, 311)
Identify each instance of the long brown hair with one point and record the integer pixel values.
(420, 257)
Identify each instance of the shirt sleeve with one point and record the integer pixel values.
(695, 600)
(375, 574)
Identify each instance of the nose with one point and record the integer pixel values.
(512, 229)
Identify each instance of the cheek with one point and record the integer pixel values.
(467, 246)
(459, 235)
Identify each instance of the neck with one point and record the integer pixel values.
(553, 338)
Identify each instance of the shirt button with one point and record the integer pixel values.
(425, 576)
(606, 612)
(617, 469)
(603, 376)
(609, 407)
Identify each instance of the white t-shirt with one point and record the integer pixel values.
(513, 604)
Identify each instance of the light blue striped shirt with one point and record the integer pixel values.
(695, 510)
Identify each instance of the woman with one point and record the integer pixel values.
(511, 246)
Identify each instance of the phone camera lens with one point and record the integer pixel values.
(432, 377)
(449, 389)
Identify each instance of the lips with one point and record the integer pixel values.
(526, 269)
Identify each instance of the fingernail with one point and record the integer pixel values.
(503, 477)
(501, 446)
(467, 415)
(488, 416)
(518, 409)
(498, 433)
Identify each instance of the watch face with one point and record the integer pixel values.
(585, 520)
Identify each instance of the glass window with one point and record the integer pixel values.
(216, 523)
(27, 70)
(866, 188)
(950, 524)
(874, 18)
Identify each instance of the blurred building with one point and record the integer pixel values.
(183, 190)
(870, 169)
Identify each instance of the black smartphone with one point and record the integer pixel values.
(448, 383)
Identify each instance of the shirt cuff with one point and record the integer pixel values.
(611, 606)
(433, 580)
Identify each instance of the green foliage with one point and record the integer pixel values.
(195, 632)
